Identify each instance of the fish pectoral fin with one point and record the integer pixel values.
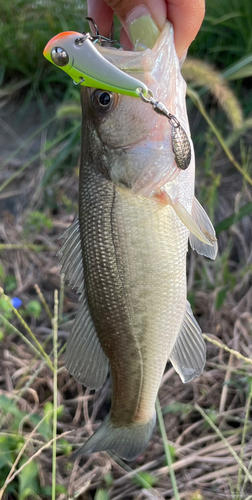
(85, 358)
(188, 356)
(203, 222)
(71, 257)
(190, 222)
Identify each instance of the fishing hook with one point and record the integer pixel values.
(94, 24)
(97, 37)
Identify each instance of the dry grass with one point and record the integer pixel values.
(202, 461)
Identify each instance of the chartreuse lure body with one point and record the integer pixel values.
(77, 55)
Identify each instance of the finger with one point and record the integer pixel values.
(186, 17)
(123, 8)
(125, 40)
(127, 11)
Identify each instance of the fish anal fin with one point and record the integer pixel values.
(188, 356)
(202, 220)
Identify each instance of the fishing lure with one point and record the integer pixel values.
(77, 55)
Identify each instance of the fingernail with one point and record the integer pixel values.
(143, 30)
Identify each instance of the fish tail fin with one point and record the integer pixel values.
(126, 442)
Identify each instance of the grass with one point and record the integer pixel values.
(203, 449)
(55, 391)
(167, 450)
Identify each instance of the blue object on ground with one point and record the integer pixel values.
(16, 302)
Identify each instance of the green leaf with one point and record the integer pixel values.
(45, 429)
(172, 453)
(48, 411)
(60, 411)
(220, 297)
(229, 221)
(9, 406)
(241, 69)
(245, 72)
(8, 444)
(64, 446)
(2, 273)
(60, 488)
(48, 408)
(176, 407)
(10, 284)
(28, 480)
(34, 308)
(36, 221)
(212, 415)
(108, 478)
(28, 493)
(5, 308)
(47, 490)
(101, 494)
(145, 480)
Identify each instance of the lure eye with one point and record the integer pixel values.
(59, 56)
(102, 100)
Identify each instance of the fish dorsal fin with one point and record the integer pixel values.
(189, 353)
(71, 257)
(189, 222)
(85, 359)
(202, 220)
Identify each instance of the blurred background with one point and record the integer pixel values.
(208, 422)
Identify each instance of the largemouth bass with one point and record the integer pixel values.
(126, 254)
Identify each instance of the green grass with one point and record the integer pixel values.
(225, 35)
(25, 29)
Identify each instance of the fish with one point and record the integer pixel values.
(126, 252)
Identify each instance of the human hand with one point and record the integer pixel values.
(185, 15)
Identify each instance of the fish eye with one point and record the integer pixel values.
(59, 56)
(102, 100)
